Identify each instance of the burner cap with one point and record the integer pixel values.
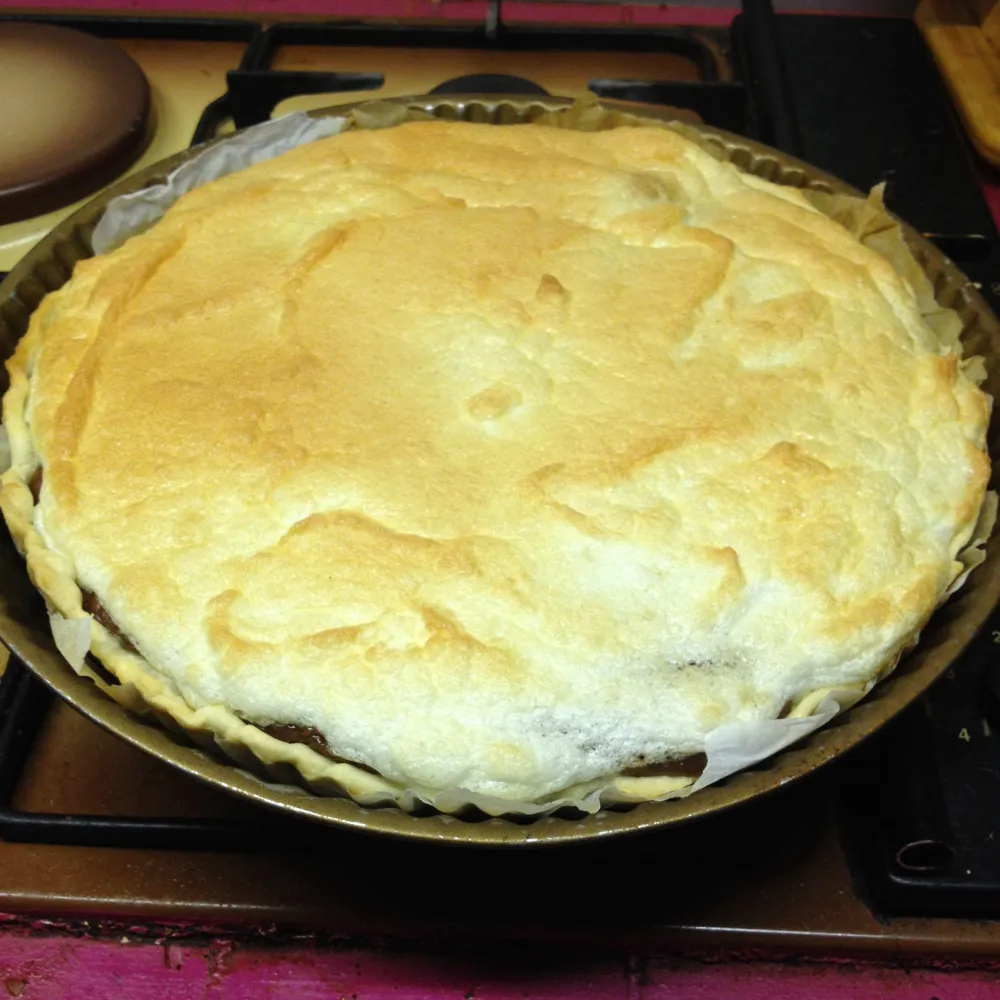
(489, 83)
(74, 111)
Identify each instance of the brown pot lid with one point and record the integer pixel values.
(74, 114)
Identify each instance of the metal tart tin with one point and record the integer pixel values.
(24, 626)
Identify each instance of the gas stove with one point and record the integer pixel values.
(890, 851)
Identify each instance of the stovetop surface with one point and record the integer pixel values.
(892, 849)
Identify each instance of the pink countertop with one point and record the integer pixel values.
(36, 966)
(432, 10)
(991, 188)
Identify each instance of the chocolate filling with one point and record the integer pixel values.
(97, 610)
(35, 484)
(681, 767)
(102, 671)
(313, 739)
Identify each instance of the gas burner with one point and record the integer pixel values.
(489, 83)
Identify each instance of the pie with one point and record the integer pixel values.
(505, 461)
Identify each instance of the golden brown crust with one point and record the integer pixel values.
(484, 452)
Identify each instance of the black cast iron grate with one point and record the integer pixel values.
(255, 88)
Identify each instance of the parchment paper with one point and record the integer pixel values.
(72, 638)
(729, 748)
(132, 213)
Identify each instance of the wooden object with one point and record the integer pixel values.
(965, 40)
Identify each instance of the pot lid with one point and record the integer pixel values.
(74, 114)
